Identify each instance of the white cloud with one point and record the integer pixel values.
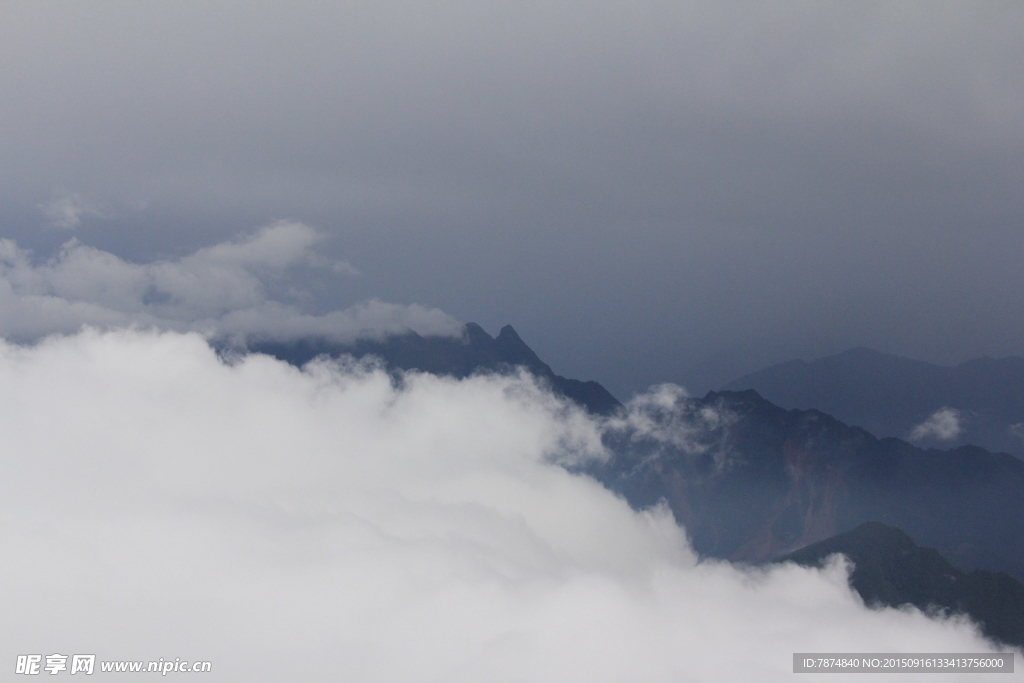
(217, 290)
(944, 424)
(665, 416)
(65, 210)
(323, 524)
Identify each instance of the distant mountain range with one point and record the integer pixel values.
(762, 481)
(474, 351)
(890, 396)
(890, 570)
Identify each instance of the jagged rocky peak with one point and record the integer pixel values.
(508, 335)
(474, 351)
(474, 334)
(515, 351)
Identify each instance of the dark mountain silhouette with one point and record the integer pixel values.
(475, 351)
(889, 395)
(762, 481)
(891, 570)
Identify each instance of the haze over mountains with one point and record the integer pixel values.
(461, 474)
(979, 402)
(748, 479)
(245, 420)
(753, 482)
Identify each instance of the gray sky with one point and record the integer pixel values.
(646, 191)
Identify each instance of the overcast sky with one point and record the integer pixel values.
(646, 191)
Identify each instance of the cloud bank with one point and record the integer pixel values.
(219, 290)
(944, 425)
(326, 524)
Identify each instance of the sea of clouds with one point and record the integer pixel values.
(334, 522)
(326, 524)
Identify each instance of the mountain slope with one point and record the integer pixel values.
(889, 395)
(760, 481)
(891, 570)
(474, 351)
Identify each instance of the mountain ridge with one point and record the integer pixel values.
(474, 351)
(890, 570)
(892, 395)
(763, 480)
(768, 480)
